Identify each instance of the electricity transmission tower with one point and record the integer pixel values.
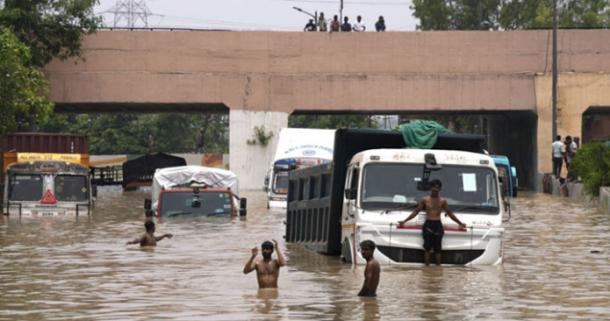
(130, 11)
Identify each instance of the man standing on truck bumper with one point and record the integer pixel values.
(432, 230)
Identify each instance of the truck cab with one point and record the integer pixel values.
(195, 191)
(384, 186)
(507, 174)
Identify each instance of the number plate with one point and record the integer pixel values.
(47, 213)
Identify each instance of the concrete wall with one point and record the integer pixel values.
(576, 93)
(251, 162)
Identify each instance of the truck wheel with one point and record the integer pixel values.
(346, 251)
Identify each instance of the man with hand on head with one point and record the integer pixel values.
(267, 270)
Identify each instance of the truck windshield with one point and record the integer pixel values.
(466, 189)
(183, 204)
(280, 184)
(25, 188)
(71, 188)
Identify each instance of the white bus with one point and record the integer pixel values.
(297, 148)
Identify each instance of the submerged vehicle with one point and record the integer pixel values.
(374, 182)
(46, 175)
(507, 173)
(297, 148)
(195, 191)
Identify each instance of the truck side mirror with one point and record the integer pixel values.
(242, 212)
(243, 202)
(350, 194)
(503, 187)
(147, 203)
(149, 213)
(94, 190)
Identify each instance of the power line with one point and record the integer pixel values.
(372, 3)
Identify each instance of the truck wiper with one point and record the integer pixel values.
(473, 207)
(179, 213)
(400, 207)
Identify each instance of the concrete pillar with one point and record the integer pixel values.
(251, 162)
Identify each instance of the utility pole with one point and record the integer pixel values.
(340, 14)
(554, 70)
(480, 15)
(130, 11)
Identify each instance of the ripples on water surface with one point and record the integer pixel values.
(79, 269)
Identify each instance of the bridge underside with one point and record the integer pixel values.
(141, 108)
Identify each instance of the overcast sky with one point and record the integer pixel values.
(263, 14)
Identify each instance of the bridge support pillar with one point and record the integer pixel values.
(248, 161)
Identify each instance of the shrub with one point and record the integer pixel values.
(592, 164)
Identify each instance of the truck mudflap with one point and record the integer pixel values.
(475, 245)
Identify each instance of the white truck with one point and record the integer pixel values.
(374, 182)
(297, 148)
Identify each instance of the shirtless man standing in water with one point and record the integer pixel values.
(267, 270)
(149, 238)
(433, 229)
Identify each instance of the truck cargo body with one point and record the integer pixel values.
(374, 182)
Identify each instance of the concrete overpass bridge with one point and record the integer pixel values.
(260, 78)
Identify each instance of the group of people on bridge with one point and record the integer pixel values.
(335, 25)
(564, 152)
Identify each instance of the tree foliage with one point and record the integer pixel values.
(332, 121)
(22, 87)
(509, 14)
(592, 164)
(51, 28)
(118, 134)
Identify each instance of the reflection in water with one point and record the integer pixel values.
(79, 268)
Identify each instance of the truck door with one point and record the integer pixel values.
(351, 194)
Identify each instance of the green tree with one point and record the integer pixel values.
(22, 87)
(129, 133)
(51, 28)
(592, 164)
(331, 121)
(509, 14)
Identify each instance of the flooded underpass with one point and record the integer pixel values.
(79, 268)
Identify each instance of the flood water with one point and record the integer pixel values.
(71, 268)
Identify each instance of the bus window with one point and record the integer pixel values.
(25, 188)
(71, 188)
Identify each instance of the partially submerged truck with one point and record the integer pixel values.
(297, 148)
(195, 191)
(46, 175)
(507, 173)
(374, 181)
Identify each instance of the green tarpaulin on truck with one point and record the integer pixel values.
(422, 134)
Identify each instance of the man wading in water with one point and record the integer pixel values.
(433, 229)
(267, 270)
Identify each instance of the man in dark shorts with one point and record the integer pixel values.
(433, 228)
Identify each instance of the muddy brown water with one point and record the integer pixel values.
(78, 268)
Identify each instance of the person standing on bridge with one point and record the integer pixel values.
(346, 26)
(335, 24)
(359, 25)
(322, 23)
(558, 154)
(267, 270)
(380, 24)
(310, 26)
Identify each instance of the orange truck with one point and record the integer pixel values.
(46, 175)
